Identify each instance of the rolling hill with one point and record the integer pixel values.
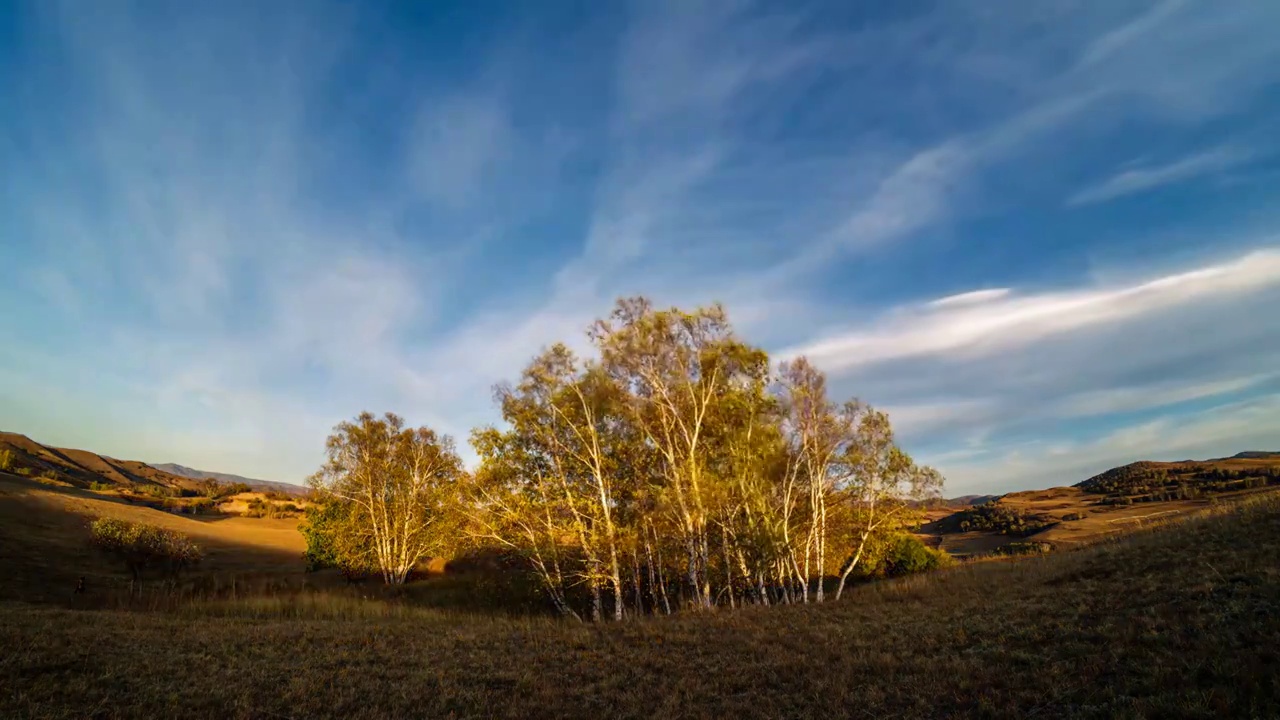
(81, 468)
(1112, 502)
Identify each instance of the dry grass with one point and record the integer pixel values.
(1174, 622)
(44, 535)
(1080, 518)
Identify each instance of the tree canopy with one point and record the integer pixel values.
(672, 467)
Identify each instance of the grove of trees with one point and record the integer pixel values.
(673, 468)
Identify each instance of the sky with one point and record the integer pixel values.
(1044, 235)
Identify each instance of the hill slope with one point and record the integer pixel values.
(81, 468)
(1145, 480)
(44, 540)
(1108, 503)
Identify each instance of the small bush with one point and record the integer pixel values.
(142, 547)
(1024, 548)
(6, 459)
(1073, 516)
(101, 487)
(23, 471)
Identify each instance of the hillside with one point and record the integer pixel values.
(1147, 480)
(1109, 503)
(44, 540)
(254, 483)
(82, 468)
(1175, 622)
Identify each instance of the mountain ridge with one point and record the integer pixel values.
(256, 483)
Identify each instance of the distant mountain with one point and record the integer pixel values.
(972, 500)
(254, 483)
(1252, 455)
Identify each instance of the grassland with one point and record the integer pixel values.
(1177, 621)
(1071, 516)
(44, 546)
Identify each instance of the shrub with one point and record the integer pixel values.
(1024, 548)
(23, 471)
(141, 547)
(1073, 516)
(101, 487)
(156, 491)
(908, 555)
(6, 459)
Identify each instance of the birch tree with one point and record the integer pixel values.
(401, 487)
(673, 367)
(884, 485)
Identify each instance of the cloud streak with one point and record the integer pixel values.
(1143, 179)
(984, 322)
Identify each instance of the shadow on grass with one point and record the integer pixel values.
(45, 551)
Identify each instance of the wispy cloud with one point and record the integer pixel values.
(1141, 179)
(1003, 320)
(262, 225)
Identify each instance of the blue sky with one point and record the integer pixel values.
(1044, 235)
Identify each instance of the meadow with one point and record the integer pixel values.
(1173, 620)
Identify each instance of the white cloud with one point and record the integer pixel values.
(1142, 179)
(1011, 320)
(973, 297)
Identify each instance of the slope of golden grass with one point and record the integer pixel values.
(1174, 622)
(44, 539)
(81, 467)
(1080, 517)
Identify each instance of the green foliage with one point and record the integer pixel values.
(259, 508)
(1030, 547)
(142, 547)
(1000, 518)
(101, 487)
(212, 488)
(327, 529)
(907, 555)
(155, 491)
(6, 459)
(23, 471)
